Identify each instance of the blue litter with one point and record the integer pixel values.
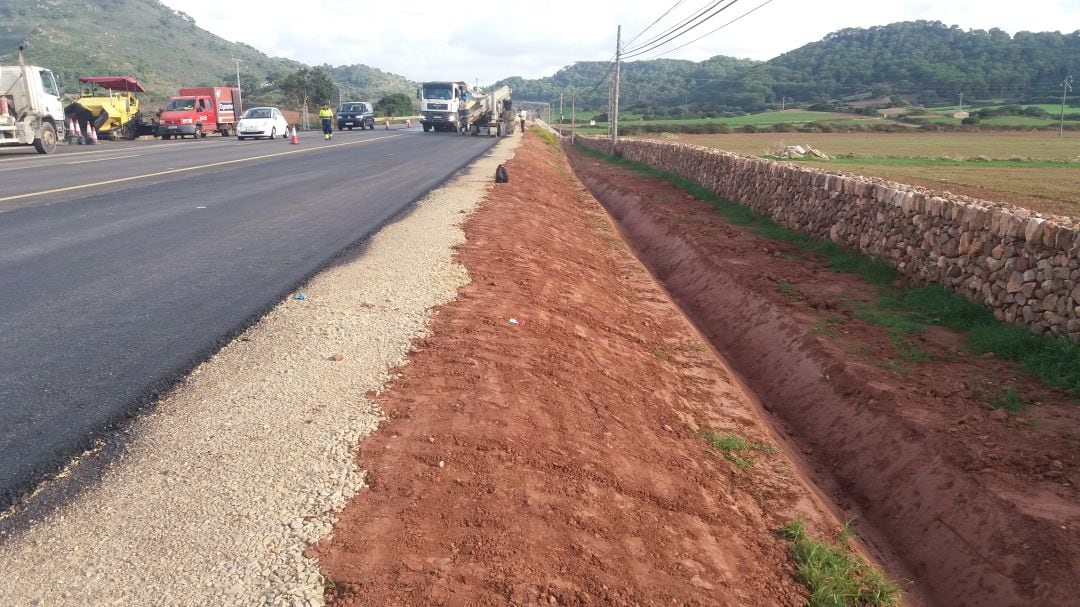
(301, 296)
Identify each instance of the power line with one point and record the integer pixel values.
(762, 5)
(678, 26)
(673, 7)
(675, 36)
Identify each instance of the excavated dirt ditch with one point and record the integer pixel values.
(974, 508)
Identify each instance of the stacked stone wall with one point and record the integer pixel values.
(1025, 266)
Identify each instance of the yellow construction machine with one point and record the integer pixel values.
(109, 105)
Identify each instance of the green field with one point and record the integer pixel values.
(1036, 170)
(1054, 109)
(1006, 121)
(764, 119)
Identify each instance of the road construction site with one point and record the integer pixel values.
(498, 394)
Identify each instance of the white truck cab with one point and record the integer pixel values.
(440, 103)
(31, 112)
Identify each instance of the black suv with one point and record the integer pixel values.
(355, 113)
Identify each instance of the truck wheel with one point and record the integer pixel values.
(240, 138)
(166, 137)
(427, 127)
(46, 144)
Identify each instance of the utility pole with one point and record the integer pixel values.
(961, 101)
(239, 91)
(562, 115)
(615, 100)
(1066, 86)
(573, 113)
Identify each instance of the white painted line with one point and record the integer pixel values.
(103, 159)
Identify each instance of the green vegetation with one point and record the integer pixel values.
(1007, 398)
(736, 449)
(395, 104)
(864, 69)
(1036, 170)
(835, 575)
(902, 311)
(551, 139)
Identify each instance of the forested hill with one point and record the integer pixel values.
(925, 60)
(164, 48)
(658, 82)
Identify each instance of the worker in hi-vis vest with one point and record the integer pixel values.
(327, 116)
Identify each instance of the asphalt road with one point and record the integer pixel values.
(124, 265)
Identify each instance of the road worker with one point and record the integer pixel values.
(327, 116)
(521, 116)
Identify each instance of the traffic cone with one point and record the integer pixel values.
(388, 124)
(92, 140)
(72, 132)
(408, 123)
(80, 135)
(294, 139)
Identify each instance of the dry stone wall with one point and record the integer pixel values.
(1024, 265)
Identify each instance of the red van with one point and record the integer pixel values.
(194, 112)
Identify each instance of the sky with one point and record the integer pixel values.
(428, 40)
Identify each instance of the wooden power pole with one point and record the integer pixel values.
(615, 99)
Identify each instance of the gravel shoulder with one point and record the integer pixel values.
(226, 482)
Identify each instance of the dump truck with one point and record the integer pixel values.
(453, 106)
(487, 113)
(30, 109)
(440, 102)
(194, 112)
(113, 112)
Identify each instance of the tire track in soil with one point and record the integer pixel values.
(560, 460)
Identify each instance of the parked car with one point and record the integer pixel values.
(262, 122)
(355, 113)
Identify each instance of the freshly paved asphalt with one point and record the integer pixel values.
(124, 265)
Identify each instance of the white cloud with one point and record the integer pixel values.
(423, 40)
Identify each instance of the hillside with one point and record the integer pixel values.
(370, 83)
(926, 61)
(163, 48)
(660, 82)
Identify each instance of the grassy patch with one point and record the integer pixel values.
(902, 311)
(835, 575)
(789, 290)
(737, 449)
(546, 136)
(1008, 398)
(827, 325)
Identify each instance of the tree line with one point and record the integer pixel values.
(925, 61)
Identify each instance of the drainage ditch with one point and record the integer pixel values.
(923, 516)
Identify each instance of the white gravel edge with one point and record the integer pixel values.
(244, 466)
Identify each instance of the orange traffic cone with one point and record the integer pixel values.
(408, 123)
(72, 132)
(92, 139)
(388, 124)
(294, 139)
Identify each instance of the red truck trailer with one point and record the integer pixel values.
(194, 112)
